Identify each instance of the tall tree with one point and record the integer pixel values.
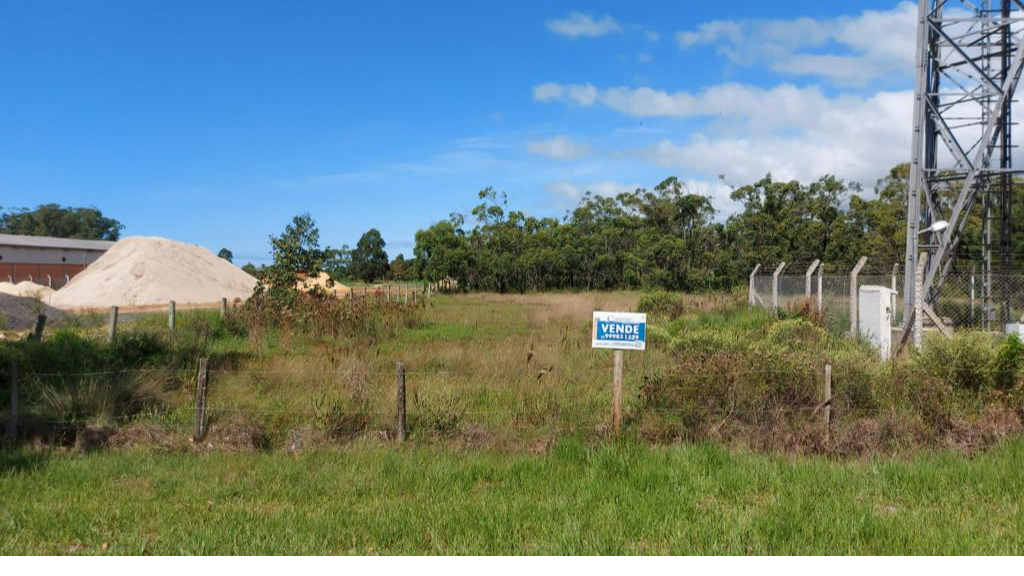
(61, 222)
(296, 252)
(369, 259)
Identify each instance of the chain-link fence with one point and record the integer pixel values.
(965, 299)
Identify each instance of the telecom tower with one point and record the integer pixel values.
(969, 60)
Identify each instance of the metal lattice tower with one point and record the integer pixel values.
(969, 60)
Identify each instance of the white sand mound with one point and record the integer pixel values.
(26, 289)
(145, 271)
(321, 282)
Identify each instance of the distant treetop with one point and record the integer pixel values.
(60, 222)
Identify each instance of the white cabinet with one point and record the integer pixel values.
(875, 317)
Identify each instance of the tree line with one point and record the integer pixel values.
(666, 237)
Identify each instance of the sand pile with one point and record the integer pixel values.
(145, 271)
(321, 282)
(19, 313)
(26, 289)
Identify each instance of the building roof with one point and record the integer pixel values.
(50, 242)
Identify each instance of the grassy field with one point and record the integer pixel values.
(612, 499)
(510, 452)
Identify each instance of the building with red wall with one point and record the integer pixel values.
(48, 261)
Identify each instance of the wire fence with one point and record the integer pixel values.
(440, 400)
(966, 299)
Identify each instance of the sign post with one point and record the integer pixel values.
(619, 331)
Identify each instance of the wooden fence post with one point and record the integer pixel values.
(12, 418)
(827, 413)
(617, 393)
(37, 333)
(112, 325)
(170, 315)
(199, 428)
(223, 307)
(400, 403)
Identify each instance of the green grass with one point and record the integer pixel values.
(614, 499)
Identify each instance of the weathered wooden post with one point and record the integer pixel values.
(170, 315)
(400, 403)
(37, 332)
(199, 426)
(617, 393)
(223, 307)
(12, 419)
(112, 325)
(855, 297)
(827, 413)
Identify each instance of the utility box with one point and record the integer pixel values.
(875, 317)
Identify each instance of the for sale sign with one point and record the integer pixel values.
(619, 331)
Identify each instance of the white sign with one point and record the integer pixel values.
(619, 331)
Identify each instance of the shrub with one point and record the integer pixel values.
(660, 303)
(441, 414)
(341, 418)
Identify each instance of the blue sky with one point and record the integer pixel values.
(216, 122)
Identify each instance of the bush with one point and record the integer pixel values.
(341, 418)
(660, 303)
(329, 317)
(440, 414)
(970, 361)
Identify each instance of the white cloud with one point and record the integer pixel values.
(851, 50)
(567, 191)
(652, 35)
(790, 131)
(548, 91)
(857, 139)
(559, 148)
(577, 25)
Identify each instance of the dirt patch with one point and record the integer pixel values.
(93, 437)
(306, 438)
(984, 430)
(235, 435)
(19, 313)
(147, 436)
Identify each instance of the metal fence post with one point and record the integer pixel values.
(752, 291)
(807, 278)
(973, 305)
(919, 300)
(892, 298)
(854, 297)
(775, 287)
